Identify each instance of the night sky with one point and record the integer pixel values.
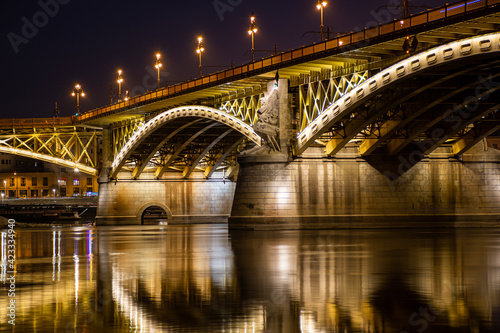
(86, 42)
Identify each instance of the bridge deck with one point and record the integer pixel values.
(370, 48)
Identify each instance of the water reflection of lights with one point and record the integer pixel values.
(137, 321)
(3, 263)
(56, 255)
(4, 246)
(90, 255)
(140, 321)
(308, 323)
(285, 263)
(77, 273)
(211, 268)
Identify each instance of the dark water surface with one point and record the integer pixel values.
(204, 278)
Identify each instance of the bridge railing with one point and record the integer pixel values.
(305, 52)
(35, 122)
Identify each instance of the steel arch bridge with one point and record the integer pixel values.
(343, 91)
(184, 138)
(417, 102)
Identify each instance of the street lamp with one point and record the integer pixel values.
(3, 195)
(200, 49)
(120, 81)
(5, 187)
(252, 30)
(78, 92)
(54, 190)
(158, 66)
(320, 6)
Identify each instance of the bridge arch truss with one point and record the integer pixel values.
(447, 95)
(183, 139)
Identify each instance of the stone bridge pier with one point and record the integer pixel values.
(184, 200)
(348, 192)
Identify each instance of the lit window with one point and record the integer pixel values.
(76, 182)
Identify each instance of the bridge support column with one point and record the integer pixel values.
(347, 192)
(194, 200)
(264, 189)
(107, 155)
(265, 196)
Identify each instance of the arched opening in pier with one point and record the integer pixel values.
(154, 215)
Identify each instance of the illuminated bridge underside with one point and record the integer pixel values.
(72, 147)
(184, 139)
(444, 96)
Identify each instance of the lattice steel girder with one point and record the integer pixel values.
(356, 121)
(189, 169)
(351, 126)
(244, 108)
(476, 134)
(426, 101)
(451, 126)
(371, 142)
(147, 141)
(156, 146)
(458, 58)
(161, 169)
(315, 97)
(396, 145)
(79, 147)
(212, 168)
(123, 131)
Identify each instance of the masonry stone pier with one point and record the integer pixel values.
(349, 192)
(184, 200)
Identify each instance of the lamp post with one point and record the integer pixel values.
(158, 66)
(78, 92)
(3, 195)
(59, 186)
(320, 6)
(5, 187)
(252, 30)
(54, 190)
(119, 81)
(200, 49)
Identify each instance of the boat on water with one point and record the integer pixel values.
(69, 215)
(42, 214)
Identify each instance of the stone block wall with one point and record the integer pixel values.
(315, 192)
(184, 200)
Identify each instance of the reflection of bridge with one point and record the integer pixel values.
(358, 96)
(200, 277)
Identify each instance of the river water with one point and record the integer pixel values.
(204, 278)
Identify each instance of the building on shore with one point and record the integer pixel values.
(22, 177)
